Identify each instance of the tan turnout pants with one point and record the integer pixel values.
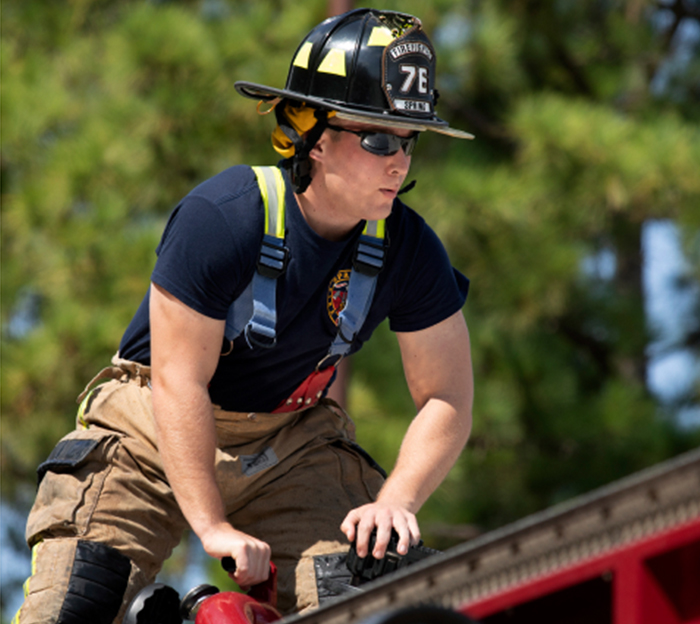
(288, 479)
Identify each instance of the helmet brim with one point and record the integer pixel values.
(387, 120)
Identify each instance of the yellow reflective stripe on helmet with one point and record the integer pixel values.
(271, 183)
(302, 57)
(334, 63)
(380, 36)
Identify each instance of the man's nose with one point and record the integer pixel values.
(399, 162)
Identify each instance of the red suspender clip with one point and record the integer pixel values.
(308, 393)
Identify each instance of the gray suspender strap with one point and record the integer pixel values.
(367, 263)
(255, 311)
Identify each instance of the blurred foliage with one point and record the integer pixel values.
(581, 141)
(587, 128)
(111, 112)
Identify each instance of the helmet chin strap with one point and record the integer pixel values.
(299, 165)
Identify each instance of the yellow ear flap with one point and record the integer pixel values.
(302, 118)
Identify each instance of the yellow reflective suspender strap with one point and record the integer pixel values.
(375, 229)
(254, 313)
(260, 331)
(271, 183)
(369, 255)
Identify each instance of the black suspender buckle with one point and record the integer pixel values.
(273, 258)
(369, 256)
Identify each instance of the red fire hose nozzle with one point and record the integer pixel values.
(206, 605)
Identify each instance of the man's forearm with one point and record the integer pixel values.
(438, 370)
(430, 448)
(187, 445)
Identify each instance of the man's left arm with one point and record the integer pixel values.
(438, 369)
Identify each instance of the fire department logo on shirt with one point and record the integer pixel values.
(338, 294)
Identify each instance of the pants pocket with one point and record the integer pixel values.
(70, 481)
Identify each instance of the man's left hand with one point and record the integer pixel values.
(359, 524)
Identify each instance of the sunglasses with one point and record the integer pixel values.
(382, 143)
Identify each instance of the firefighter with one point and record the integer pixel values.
(214, 413)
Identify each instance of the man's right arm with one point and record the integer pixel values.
(185, 348)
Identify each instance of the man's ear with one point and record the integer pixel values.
(318, 151)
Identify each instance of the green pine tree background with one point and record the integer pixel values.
(587, 118)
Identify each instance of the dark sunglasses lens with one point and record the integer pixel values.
(409, 144)
(383, 144)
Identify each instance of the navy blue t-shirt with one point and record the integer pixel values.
(207, 257)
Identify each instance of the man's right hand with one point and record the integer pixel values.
(252, 556)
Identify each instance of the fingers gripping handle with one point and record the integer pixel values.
(265, 592)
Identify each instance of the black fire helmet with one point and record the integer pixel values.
(369, 66)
